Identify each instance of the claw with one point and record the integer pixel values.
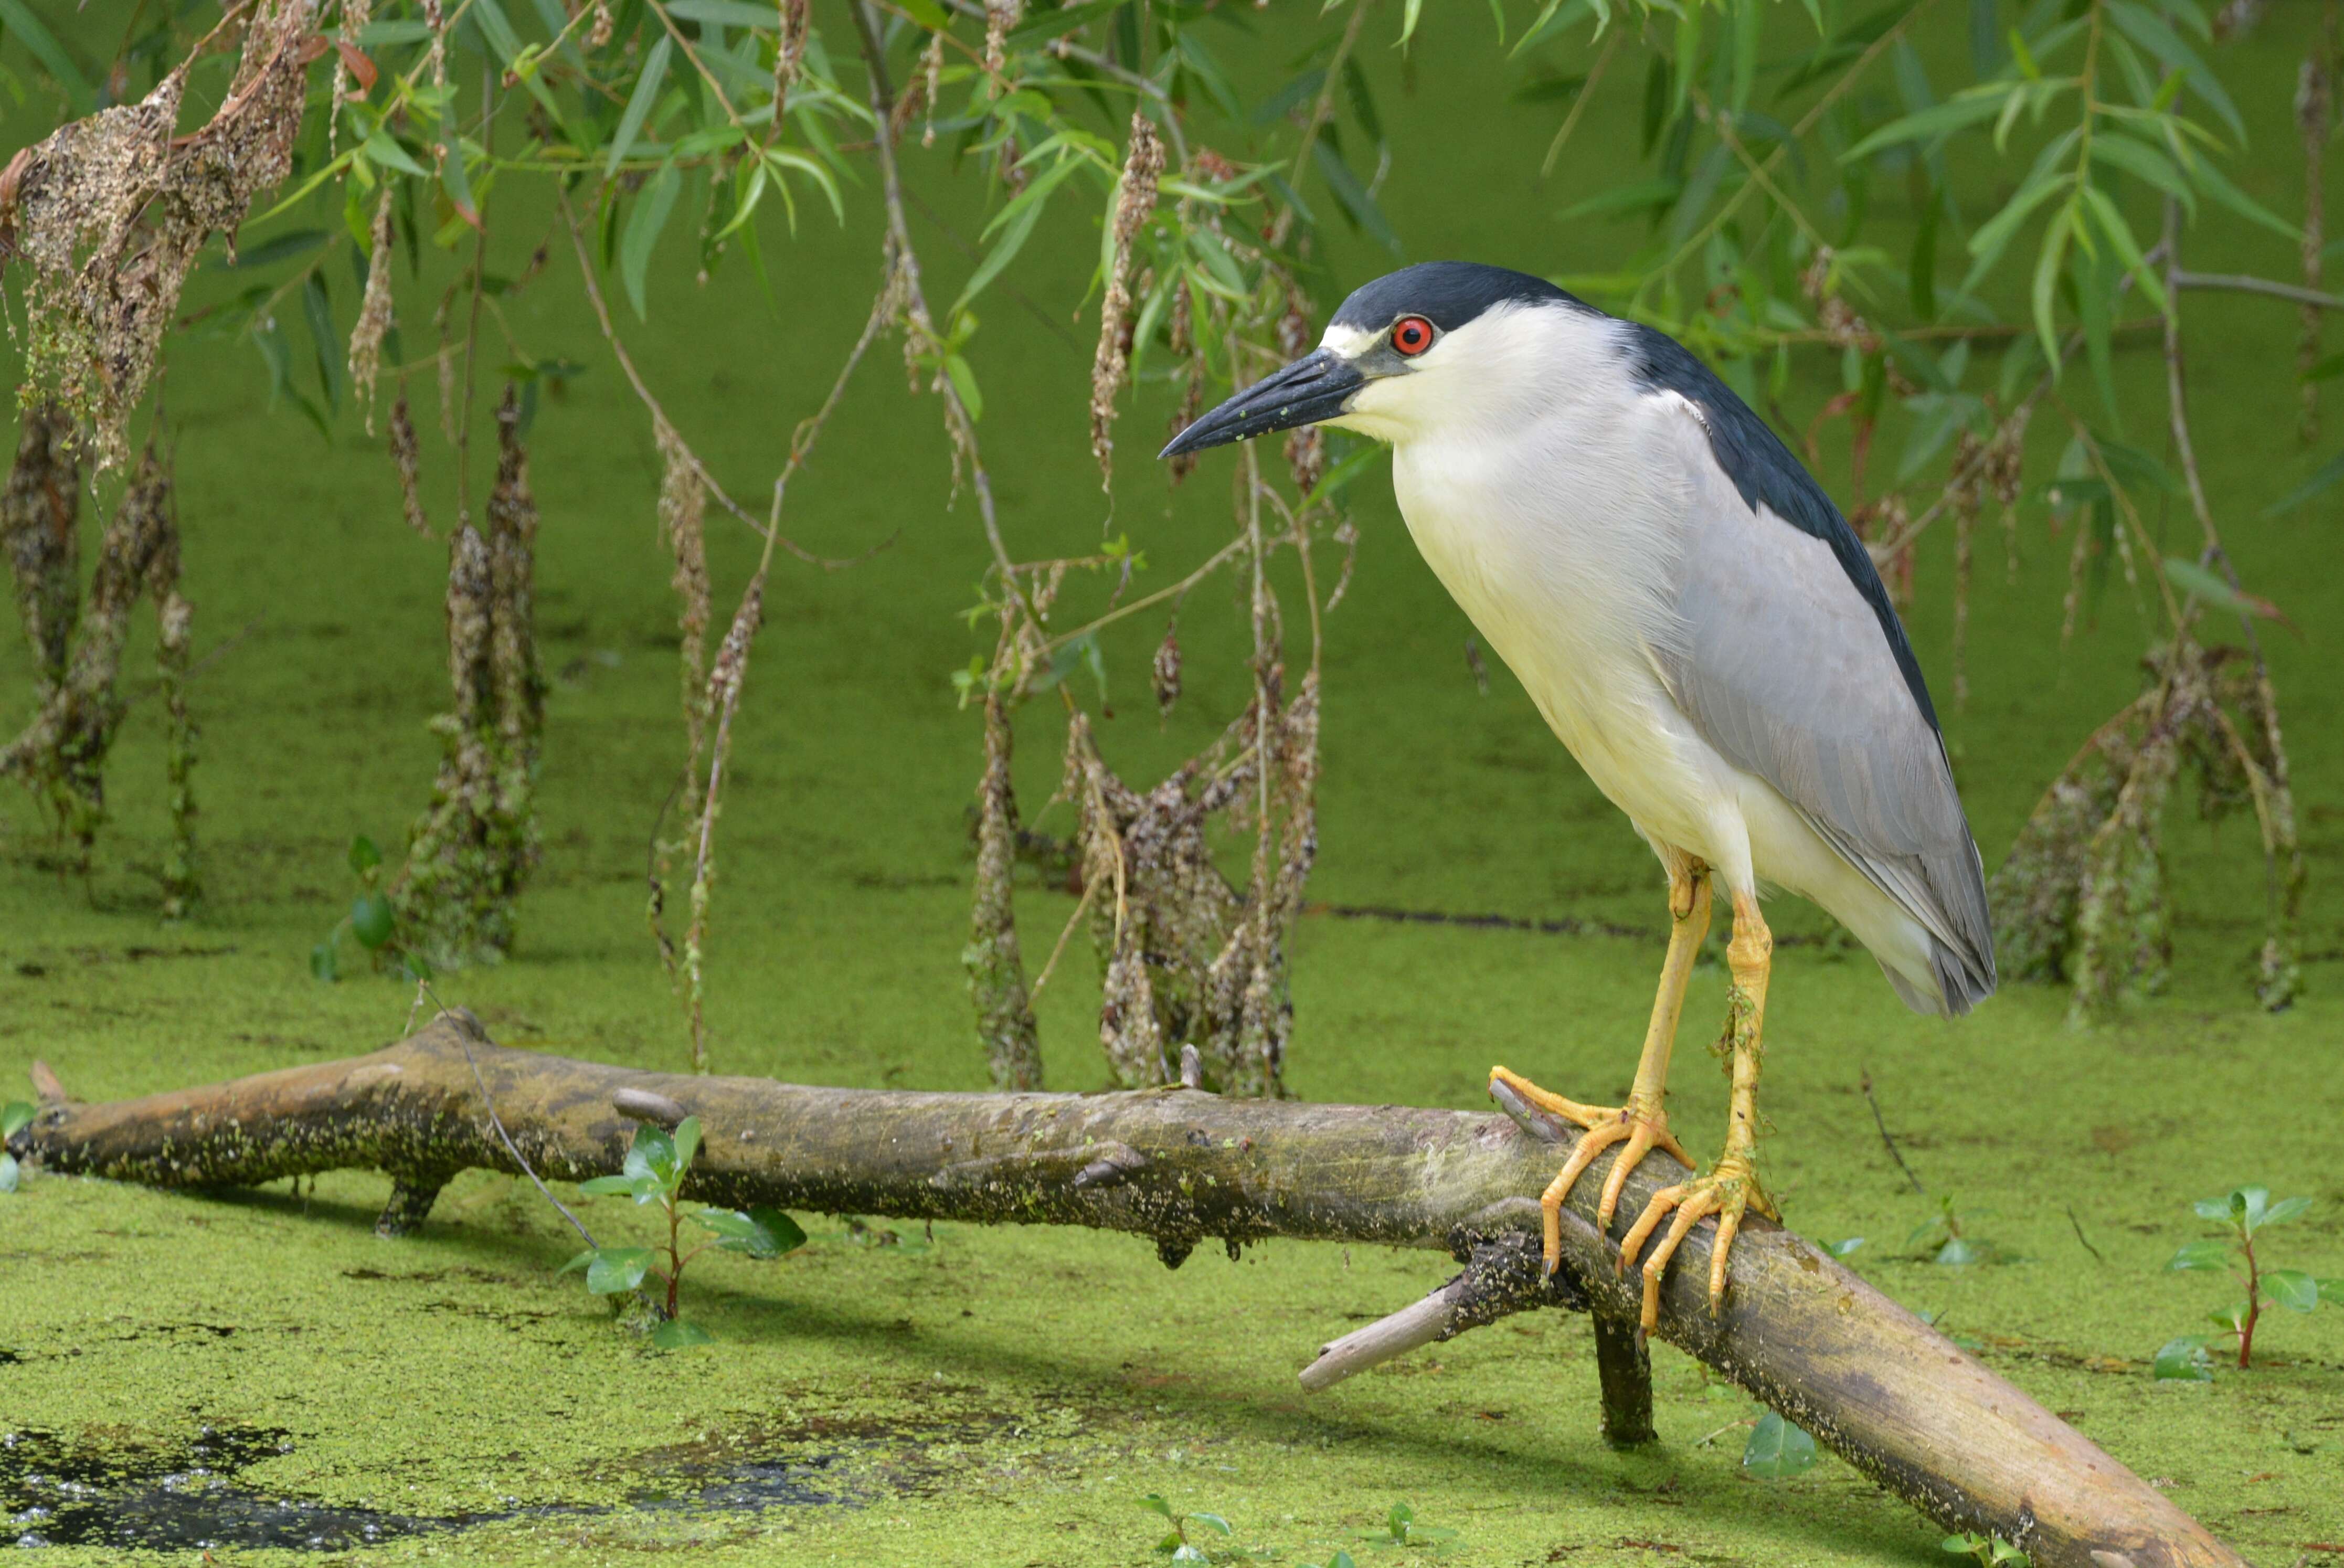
(1726, 1192)
(1639, 1130)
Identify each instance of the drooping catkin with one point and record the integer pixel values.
(2313, 103)
(725, 681)
(472, 850)
(682, 507)
(789, 53)
(407, 456)
(375, 313)
(38, 533)
(995, 965)
(356, 14)
(1134, 203)
(1000, 17)
(62, 753)
(111, 211)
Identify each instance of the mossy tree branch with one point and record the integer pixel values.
(1874, 1384)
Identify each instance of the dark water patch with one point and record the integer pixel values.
(170, 1497)
(144, 1495)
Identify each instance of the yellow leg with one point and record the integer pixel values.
(1731, 1188)
(1643, 1124)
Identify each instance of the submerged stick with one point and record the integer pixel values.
(1871, 1382)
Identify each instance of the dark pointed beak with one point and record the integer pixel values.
(1312, 388)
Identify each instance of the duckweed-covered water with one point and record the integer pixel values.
(256, 1370)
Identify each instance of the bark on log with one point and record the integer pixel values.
(1870, 1381)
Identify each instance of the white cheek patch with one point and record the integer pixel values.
(1350, 342)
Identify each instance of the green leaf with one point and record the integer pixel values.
(1200, 64)
(1337, 479)
(2292, 1288)
(963, 379)
(384, 148)
(2199, 583)
(2048, 265)
(2285, 1209)
(2144, 28)
(926, 13)
(7, 1172)
(1356, 202)
(370, 919)
(15, 1117)
(1637, 196)
(45, 48)
(2184, 1360)
(642, 1187)
(1777, 1449)
(317, 313)
(375, 35)
(2329, 473)
(364, 856)
(675, 1334)
(2216, 184)
(651, 1154)
(322, 962)
(687, 1143)
(1212, 1522)
(642, 232)
(1049, 22)
(2212, 1207)
(2201, 1255)
(1005, 249)
(1958, 1253)
(1154, 1503)
(1934, 123)
(617, 1269)
(727, 14)
(639, 105)
(1842, 1248)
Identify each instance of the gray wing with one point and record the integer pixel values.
(1786, 666)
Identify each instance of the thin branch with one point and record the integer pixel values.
(1865, 1081)
(2240, 283)
(652, 402)
(905, 262)
(1587, 91)
(1878, 47)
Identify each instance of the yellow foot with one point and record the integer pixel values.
(1640, 1127)
(1727, 1192)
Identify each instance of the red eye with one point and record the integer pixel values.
(1411, 335)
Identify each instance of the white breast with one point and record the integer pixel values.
(1557, 529)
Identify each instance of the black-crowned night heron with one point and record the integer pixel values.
(1700, 626)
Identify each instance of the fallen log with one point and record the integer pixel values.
(1873, 1383)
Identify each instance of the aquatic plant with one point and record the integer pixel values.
(2244, 1212)
(656, 1165)
(1989, 1550)
(1176, 1545)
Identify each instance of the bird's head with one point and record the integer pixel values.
(1405, 354)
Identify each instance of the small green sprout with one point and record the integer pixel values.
(1988, 1551)
(1778, 1449)
(15, 1118)
(1401, 1529)
(1944, 1239)
(1176, 1545)
(657, 1162)
(2244, 1211)
(371, 923)
(1340, 1560)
